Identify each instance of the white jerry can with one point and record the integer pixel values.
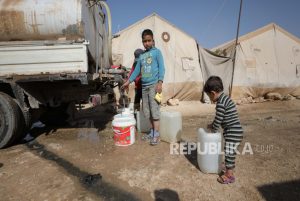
(170, 126)
(209, 156)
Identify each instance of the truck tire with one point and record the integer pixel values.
(11, 121)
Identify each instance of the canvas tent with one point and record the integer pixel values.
(267, 60)
(183, 77)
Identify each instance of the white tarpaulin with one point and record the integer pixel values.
(217, 66)
(267, 60)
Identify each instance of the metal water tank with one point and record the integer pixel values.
(27, 20)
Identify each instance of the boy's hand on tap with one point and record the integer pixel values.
(125, 85)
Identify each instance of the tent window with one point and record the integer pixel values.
(187, 63)
(298, 70)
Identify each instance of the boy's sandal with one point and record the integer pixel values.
(225, 179)
(154, 141)
(146, 137)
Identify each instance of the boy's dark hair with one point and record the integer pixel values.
(147, 32)
(137, 53)
(214, 83)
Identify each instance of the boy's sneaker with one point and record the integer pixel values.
(155, 140)
(148, 136)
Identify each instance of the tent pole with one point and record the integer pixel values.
(236, 42)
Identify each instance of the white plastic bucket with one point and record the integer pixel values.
(124, 130)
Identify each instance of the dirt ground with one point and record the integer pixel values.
(81, 162)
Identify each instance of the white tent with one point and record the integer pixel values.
(183, 77)
(267, 60)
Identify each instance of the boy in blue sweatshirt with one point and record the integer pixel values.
(151, 66)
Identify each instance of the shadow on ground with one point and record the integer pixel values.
(96, 117)
(166, 195)
(281, 191)
(191, 155)
(93, 183)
